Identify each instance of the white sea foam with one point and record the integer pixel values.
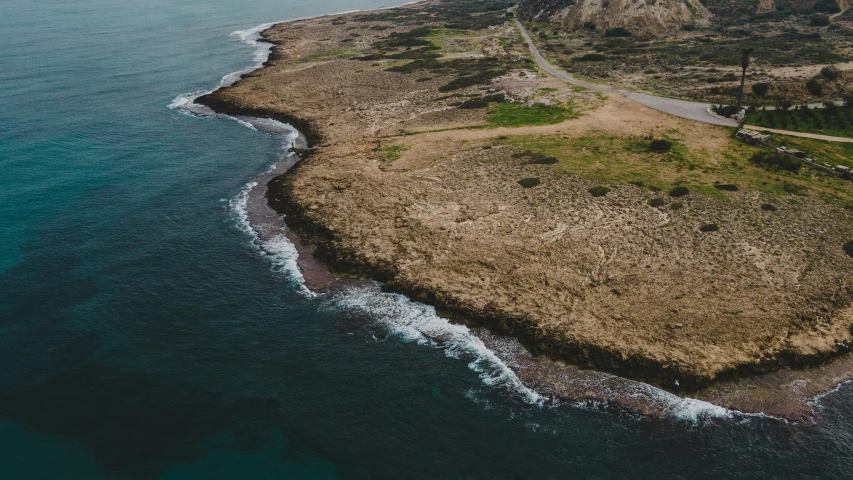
(415, 322)
(280, 251)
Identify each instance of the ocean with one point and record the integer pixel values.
(148, 330)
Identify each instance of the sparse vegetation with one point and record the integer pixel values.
(834, 120)
(768, 207)
(676, 206)
(776, 161)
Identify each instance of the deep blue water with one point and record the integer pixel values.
(143, 335)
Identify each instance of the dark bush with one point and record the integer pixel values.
(725, 110)
(814, 87)
(591, 57)
(599, 191)
(793, 188)
(830, 72)
(617, 32)
(529, 182)
(767, 207)
(657, 202)
(728, 187)
(848, 248)
(819, 20)
(711, 227)
(470, 80)
(676, 206)
(776, 161)
(679, 192)
(660, 145)
(542, 160)
(473, 103)
(498, 97)
(760, 89)
(826, 6)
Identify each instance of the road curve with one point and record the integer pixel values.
(680, 108)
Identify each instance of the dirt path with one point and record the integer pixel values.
(816, 136)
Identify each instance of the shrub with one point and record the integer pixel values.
(591, 57)
(848, 248)
(660, 145)
(474, 103)
(760, 89)
(725, 110)
(826, 6)
(469, 80)
(679, 192)
(819, 20)
(599, 191)
(830, 72)
(711, 227)
(767, 207)
(814, 87)
(727, 187)
(676, 206)
(793, 188)
(617, 32)
(656, 202)
(529, 182)
(542, 160)
(776, 161)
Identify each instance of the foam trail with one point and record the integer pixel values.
(252, 37)
(415, 322)
(280, 251)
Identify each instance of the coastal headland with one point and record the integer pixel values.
(599, 232)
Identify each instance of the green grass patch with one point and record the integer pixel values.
(607, 159)
(518, 115)
(391, 152)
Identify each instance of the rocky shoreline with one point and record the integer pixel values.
(380, 136)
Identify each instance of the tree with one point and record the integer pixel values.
(744, 64)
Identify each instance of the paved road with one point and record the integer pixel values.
(680, 108)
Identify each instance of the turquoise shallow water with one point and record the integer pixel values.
(143, 335)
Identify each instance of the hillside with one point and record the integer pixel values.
(635, 16)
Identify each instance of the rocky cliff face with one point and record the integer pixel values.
(635, 16)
